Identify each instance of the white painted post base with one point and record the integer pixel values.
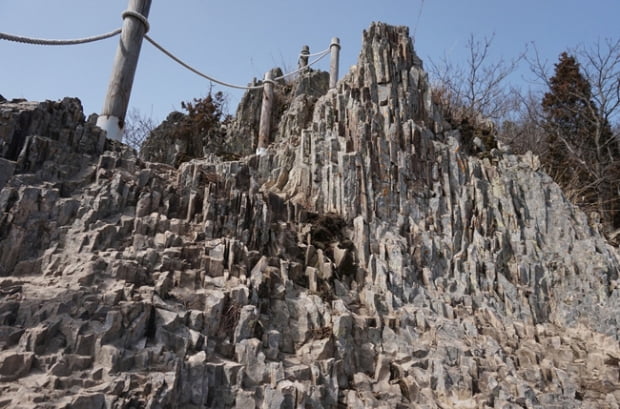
(135, 25)
(109, 123)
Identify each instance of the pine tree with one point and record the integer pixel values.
(566, 109)
(581, 151)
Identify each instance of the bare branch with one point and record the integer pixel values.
(601, 67)
(137, 128)
(477, 87)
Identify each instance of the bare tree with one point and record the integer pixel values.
(601, 66)
(137, 128)
(524, 131)
(477, 88)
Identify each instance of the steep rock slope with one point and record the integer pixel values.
(365, 261)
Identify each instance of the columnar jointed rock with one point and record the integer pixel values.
(365, 261)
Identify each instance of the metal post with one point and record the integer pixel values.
(303, 56)
(265, 115)
(333, 65)
(135, 25)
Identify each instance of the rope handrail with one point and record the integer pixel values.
(44, 41)
(322, 55)
(194, 70)
(139, 17)
(315, 54)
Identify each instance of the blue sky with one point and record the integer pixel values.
(236, 40)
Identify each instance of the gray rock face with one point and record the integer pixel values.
(293, 104)
(164, 147)
(365, 261)
(292, 108)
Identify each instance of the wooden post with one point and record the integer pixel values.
(135, 25)
(333, 65)
(303, 56)
(265, 115)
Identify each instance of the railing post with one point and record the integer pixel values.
(333, 64)
(135, 25)
(265, 115)
(303, 56)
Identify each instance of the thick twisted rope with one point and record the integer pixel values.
(297, 71)
(144, 21)
(315, 54)
(43, 41)
(194, 70)
(139, 17)
(226, 84)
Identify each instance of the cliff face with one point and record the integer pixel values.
(365, 261)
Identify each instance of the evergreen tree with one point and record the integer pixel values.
(581, 151)
(566, 109)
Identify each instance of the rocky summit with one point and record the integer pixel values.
(367, 260)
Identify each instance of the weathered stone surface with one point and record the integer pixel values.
(14, 365)
(161, 146)
(365, 261)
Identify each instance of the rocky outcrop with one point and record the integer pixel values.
(293, 103)
(162, 145)
(294, 99)
(365, 261)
